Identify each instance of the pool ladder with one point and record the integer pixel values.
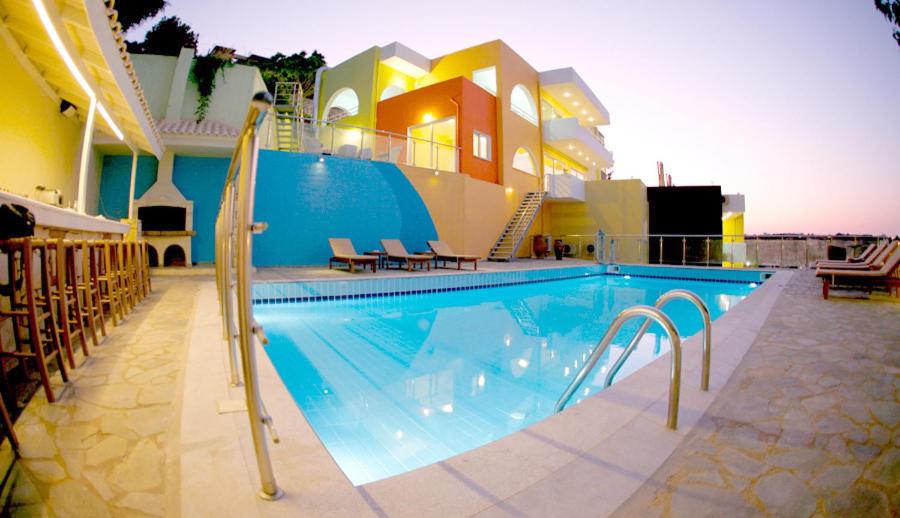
(649, 313)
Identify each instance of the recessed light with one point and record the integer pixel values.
(579, 153)
(590, 119)
(584, 112)
(575, 103)
(567, 94)
(571, 146)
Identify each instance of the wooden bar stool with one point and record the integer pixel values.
(89, 289)
(31, 309)
(125, 288)
(64, 291)
(108, 280)
(145, 266)
(133, 256)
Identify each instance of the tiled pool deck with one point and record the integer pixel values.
(809, 423)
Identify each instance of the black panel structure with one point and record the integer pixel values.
(685, 211)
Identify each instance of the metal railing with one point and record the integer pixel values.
(732, 250)
(234, 272)
(659, 317)
(660, 302)
(347, 140)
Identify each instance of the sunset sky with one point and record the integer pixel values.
(794, 104)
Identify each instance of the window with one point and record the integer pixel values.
(556, 166)
(344, 103)
(523, 161)
(481, 145)
(522, 104)
(391, 91)
(486, 78)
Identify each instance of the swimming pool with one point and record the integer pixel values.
(393, 383)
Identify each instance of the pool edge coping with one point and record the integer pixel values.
(553, 449)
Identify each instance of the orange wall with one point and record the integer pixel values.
(477, 111)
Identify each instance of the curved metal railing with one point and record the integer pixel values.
(234, 271)
(617, 323)
(660, 302)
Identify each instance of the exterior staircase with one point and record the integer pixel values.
(288, 108)
(508, 242)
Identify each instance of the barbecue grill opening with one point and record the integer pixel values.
(163, 218)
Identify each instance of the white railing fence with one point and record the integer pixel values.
(350, 141)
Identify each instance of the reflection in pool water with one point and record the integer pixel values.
(392, 384)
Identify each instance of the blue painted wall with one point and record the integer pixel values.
(115, 179)
(304, 202)
(200, 179)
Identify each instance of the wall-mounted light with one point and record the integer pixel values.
(509, 190)
(436, 172)
(67, 109)
(428, 117)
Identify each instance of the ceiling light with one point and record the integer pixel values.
(428, 117)
(567, 94)
(571, 146)
(584, 112)
(590, 119)
(579, 153)
(575, 103)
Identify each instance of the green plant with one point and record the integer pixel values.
(204, 74)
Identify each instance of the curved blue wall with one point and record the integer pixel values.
(305, 202)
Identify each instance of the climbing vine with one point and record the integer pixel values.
(204, 75)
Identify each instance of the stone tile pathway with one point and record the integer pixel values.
(106, 447)
(808, 425)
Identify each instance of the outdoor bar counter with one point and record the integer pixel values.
(56, 222)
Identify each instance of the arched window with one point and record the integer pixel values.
(344, 103)
(522, 104)
(523, 161)
(391, 91)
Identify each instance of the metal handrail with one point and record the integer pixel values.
(235, 236)
(374, 131)
(225, 279)
(660, 302)
(617, 323)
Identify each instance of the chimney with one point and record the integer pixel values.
(661, 174)
(669, 181)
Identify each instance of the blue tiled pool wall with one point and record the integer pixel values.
(311, 291)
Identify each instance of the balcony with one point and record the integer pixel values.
(584, 145)
(564, 187)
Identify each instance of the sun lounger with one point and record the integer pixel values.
(866, 257)
(443, 252)
(344, 252)
(888, 275)
(397, 253)
(875, 261)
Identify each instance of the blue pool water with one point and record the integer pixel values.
(391, 384)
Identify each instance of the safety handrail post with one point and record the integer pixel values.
(235, 239)
(664, 299)
(658, 316)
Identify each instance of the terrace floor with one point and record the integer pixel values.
(808, 424)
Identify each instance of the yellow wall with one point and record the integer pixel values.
(388, 76)
(613, 206)
(514, 131)
(39, 146)
(468, 214)
(733, 226)
(357, 73)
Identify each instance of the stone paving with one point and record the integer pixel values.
(807, 425)
(106, 448)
